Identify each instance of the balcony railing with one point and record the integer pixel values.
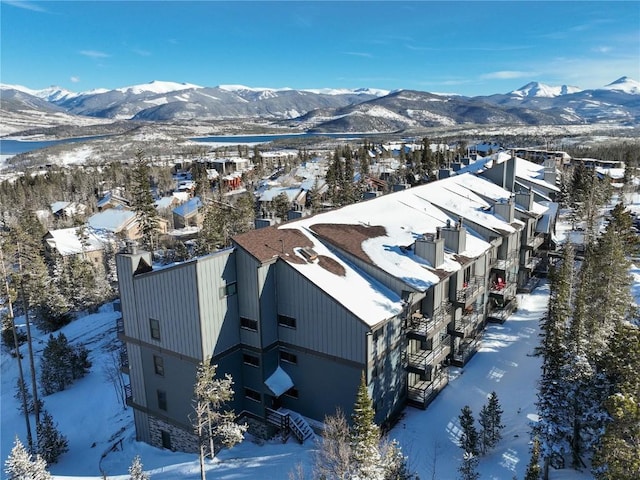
(128, 395)
(505, 263)
(466, 350)
(124, 359)
(425, 327)
(502, 313)
(532, 263)
(470, 289)
(423, 392)
(120, 326)
(504, 290)
(535, 242)
(424, 360)
(468, 322)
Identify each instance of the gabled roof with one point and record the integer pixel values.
(112, 219)
(67, 242)
(189, 207)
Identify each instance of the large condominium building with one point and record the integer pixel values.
(396, 288)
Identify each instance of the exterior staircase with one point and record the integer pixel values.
(290, 423)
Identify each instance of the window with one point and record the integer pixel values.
(251, 360)
(288, 357)
(158, 365)
(292, 392)
(249, 324)
(252, 394)
(166, 439)
(154, 325)
(162, 400)
(228, 290)
(285, 321)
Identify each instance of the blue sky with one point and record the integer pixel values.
(471, 48)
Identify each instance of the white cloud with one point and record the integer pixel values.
(506, 75)
(94, 54)
(26, 5)
(358, 54)
(602, 49)
(74, 79)
(142, 53)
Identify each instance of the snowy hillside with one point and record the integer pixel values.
(157, 86)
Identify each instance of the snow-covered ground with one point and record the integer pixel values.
(89, 414)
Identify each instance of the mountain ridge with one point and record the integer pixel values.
(330, 110)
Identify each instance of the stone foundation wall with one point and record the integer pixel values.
(257, 428)
(181, 440)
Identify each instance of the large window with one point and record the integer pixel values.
(154, 326)
(158, 365)
(162, 400)
(249, 324)
(285, 321)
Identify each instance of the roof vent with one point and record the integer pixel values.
(309, 254)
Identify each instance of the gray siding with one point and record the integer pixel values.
(218, 312)
(170, 296)
(323, 325)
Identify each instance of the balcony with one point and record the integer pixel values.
(128, 395)
(466, 350)
(535, 242)
(502, 290)
(467, 323)
(423, 392)
(503, 264)
(470, 290)
(424, 360)
(532, 263)
(423, 328)
(124, 360)
(120, 327)
(501, 313)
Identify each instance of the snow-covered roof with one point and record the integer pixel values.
(189, 207)
(533, 173)
(291, 193)
(112, 219)
(279, 382)
(57, 206)
(545, 223)
(614, 173)
(164, 202)
(67, 242)
(181, 196)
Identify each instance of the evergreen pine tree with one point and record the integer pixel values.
(51, 443)
(395, 463)
(469, 439)
(365, 436)
(468, 468)
(136, 471)
(533, 469)
(20, 466)
(142, 200)
(490, 419)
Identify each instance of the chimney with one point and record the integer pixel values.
(510, 173)
(455, 237)
(550, 175)
(431, 248)
(525, 199)
(506, 209)
(131, 247)
(444, 173)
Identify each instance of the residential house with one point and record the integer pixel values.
(116, 221)
(76, 241)
(188, 214)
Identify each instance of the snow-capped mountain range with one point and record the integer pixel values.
(364, 109)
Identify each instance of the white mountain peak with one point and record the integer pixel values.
(624, 84)
(157, 86)
(537, 89)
